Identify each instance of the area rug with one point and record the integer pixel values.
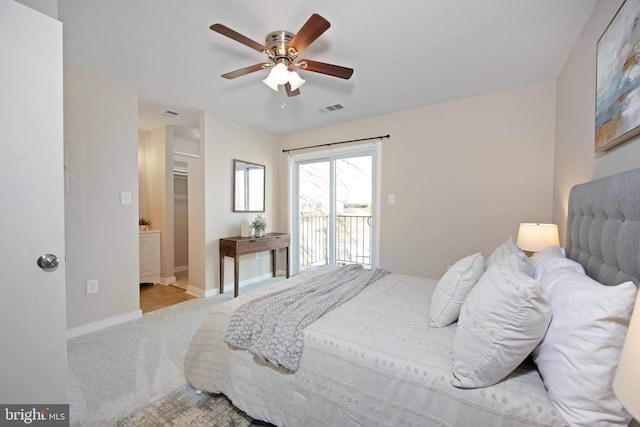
(184, 407)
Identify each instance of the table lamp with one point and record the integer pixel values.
(534, 237)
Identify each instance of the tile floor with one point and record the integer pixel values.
(154, 297)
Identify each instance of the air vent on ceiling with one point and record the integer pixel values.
(170, 113)
(332, 108)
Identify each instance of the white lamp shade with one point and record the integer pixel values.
(626, 383)
(295, 80)
(269, 81)
(534, 237)
(280, 73)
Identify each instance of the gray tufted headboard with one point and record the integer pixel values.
(603, 227)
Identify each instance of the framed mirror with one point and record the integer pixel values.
(248, 186)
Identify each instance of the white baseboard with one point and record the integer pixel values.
(256, 279)
(191, 290)
(104, 323)
(266, 276)
(197, 292)
(167, 280)
(180, 268)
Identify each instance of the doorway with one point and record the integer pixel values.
(181, 225)
(334, 208)
(164, 199)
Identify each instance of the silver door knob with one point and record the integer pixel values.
(48, 262)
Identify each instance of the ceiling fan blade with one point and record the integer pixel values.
(246, 70)
(310, 31)
(291, 92)
(226, 31)
(329, 69)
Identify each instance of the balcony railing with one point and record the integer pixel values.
(353, 240)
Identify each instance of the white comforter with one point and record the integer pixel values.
(272, 326)
(372, 361)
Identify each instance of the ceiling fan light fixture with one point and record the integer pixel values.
(280, 74)
(295, 80)
(269, 81)
(282, 49)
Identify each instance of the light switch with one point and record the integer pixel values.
(125, 198)
(392, 199)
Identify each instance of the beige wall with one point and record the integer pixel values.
(159, 176)
(102, 235)
(576, 161)
(464, 173)
(101, 130)
(197, 218)
(143, 141)
(225, 140)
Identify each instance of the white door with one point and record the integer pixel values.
(33, 354)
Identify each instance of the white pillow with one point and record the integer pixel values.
(550, 259)
(504, 250)
(453, 288)
(579, 354)
(502, 320)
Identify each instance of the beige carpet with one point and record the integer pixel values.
(184, 407)
(117, 370)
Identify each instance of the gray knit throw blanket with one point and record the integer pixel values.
(270, 326)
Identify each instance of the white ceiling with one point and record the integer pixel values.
(405, 53)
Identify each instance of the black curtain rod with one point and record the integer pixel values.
(336, 143)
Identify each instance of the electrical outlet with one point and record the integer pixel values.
(92, 286)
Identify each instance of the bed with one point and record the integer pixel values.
(411, 351)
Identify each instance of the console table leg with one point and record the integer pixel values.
(236, 274)
(287, 262)
(222, 274)
(273, 262)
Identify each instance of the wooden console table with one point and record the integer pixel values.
(235, 246)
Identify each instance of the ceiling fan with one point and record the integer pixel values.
(283, 49)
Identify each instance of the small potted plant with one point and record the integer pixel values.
(144, 224)
(259, 225)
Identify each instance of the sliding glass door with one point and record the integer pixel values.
(313, 213)
(334, 208)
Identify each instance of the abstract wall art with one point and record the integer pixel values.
(618, 79)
